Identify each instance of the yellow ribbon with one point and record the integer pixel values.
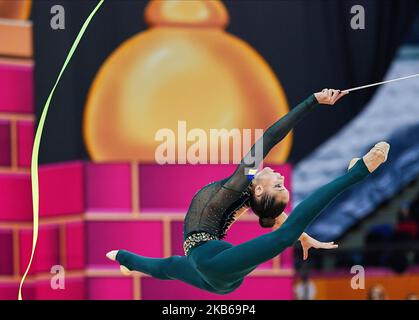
(37, 141)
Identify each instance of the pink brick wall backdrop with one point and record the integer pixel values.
(16, 89)
(5, 144)
(16, 137)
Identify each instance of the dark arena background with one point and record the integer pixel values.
(146, 66)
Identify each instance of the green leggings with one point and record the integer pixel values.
(218, 266)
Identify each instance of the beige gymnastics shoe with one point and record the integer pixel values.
(111, 255)
(375, 157)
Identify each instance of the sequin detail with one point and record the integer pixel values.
(196, 238)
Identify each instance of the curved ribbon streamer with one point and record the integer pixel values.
(37, 141)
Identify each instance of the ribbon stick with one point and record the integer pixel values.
(37, 141)
(380, 83)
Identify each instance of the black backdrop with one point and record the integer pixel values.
(308, 43)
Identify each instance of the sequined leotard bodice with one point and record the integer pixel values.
(213, 208)
(216, 202)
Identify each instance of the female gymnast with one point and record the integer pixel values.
(218, 266)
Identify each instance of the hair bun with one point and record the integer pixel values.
(267, 222)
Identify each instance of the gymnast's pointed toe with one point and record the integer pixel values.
(376, 156)
(384, 148)
(111, 255)
(125, 271)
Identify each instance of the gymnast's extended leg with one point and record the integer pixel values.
(170, 268)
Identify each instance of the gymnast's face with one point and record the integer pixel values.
(267, 180)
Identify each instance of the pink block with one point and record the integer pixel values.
(25, 136)
(177, 238)
(177, 184)
(5, 151)
(181, 182)
(108, 187)
(74, 290)
(242, 231)
(75, 245)
(141, 237)
(287, 259)
(61, 189)
(47, 249)
(16, 88)
(6, 249)
(253, 288)
(9, 290)
(15, 197)
(110, 288)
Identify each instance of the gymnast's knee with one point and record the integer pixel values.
(230, 287)
(224, 292)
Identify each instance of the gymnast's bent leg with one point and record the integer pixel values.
(237, 261)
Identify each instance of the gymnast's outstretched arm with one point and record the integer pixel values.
(238, 181)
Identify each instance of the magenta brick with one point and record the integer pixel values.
(242, 231)
(253, 288)
(181, 182)
(15, 197)
(47, 249)
(112, 288)
(75, 245)
(74, 290)
(5, 143)
(141, 237)
(9, 290)
(108, 187)
(287, 259)
(16, 88)
(25, 136)
(25, 249)
(6, 249)
(177, 184)
(177, 238)
(61, 189)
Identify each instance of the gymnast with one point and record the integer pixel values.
(217, 266)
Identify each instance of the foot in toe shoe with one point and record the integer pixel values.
(376, 156)
(111, 255)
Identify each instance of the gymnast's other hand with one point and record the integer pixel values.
(308, 242)
(329, 96)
